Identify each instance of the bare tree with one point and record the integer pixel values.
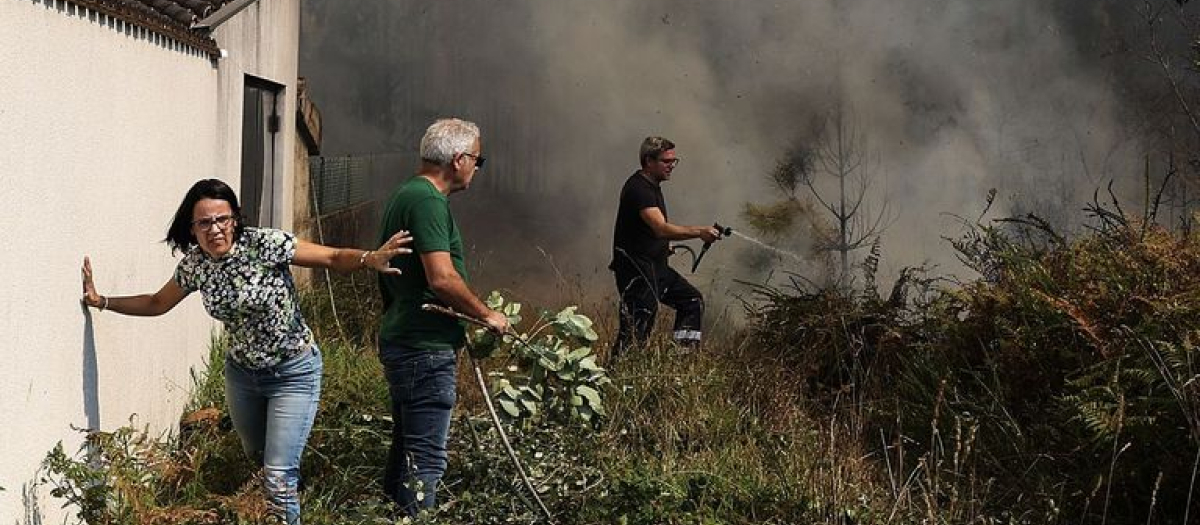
(1175, 72)
(825, 180)
(841, 176)
(1172, 48)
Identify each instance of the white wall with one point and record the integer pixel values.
(264, 41)
(102, 130)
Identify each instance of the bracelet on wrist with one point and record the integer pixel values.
(362, 259)
(104, 303)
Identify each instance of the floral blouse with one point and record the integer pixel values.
(251, 290)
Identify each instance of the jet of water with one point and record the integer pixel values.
(766, 246)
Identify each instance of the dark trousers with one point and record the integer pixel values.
(423, 393)
(644, 284)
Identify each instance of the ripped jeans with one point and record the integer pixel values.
(272, 411)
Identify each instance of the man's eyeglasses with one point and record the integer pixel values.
(205, 224)
(670, 162)
(479, 159)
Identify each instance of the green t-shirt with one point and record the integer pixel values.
(417, 206)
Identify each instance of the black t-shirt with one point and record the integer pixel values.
(632, 235)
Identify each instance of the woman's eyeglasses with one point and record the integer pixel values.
(205, 224)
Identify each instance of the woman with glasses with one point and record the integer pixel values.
(272, 367)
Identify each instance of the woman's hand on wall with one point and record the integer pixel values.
(90, 297)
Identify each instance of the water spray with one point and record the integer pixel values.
(768, 247)
(487, 398)
(726, 231)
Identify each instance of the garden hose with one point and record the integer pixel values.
(487, 398)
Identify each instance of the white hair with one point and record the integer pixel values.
(446, 138)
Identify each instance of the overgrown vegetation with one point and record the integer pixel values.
(1060, 387)
(666, 438)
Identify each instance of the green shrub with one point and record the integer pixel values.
(1060, 383)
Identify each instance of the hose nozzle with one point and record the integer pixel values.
(722, 231)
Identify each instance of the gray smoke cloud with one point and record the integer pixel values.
(1034, 98)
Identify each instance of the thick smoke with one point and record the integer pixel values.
(954, 97)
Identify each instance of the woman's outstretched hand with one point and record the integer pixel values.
(380, 260)
(90, 297)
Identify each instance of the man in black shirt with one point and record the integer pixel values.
(640, 250)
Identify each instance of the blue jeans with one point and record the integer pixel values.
(422, 388)
(273, 410)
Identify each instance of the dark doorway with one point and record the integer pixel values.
(260, 189)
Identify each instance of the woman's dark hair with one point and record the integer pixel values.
(179, 235)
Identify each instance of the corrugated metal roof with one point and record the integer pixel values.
(171, 18)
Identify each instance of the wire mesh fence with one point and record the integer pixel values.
(338, 183)
(346, 195)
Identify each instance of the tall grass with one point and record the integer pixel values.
(691, 438)
(1059, 388)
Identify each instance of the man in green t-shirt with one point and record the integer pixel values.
(417, 348)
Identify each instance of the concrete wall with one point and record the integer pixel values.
(303, 224)
(264, 41)
(308, 143)
(103, 127)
